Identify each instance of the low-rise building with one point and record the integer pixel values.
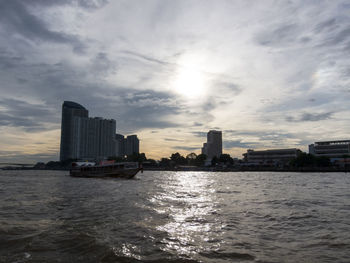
(330, 149)
(275, 157)
(337, 151)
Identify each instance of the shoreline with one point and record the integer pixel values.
(214, 169)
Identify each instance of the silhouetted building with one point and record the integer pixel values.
(83, 137)
(94, 138)
(70, 111)
(213, 146)
(276, 157)
(331, 149)
(132, 145)
(120, 145)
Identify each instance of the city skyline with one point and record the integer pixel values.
(267, 74)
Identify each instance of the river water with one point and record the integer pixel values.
(47, 216)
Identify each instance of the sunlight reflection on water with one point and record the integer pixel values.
(189, 200)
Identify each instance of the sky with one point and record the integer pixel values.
(268, 74)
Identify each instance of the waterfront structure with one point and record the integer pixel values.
(213, 146)
(120, 145)
(331, 149)
(132, 145)
(94, 138)
(83, 137)
(274, 157)
(70, 111)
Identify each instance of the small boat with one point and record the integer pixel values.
(125, 170)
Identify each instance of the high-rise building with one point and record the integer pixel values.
(120, 145)
(213, 146)
(132, 145)
(70, 110)
(83, 137)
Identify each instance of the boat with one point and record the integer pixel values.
(126, 170)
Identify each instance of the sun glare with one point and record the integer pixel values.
(189, 80)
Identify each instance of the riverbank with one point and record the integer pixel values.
(250, 169)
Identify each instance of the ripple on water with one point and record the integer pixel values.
(175, 217)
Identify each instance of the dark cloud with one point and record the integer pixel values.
(30, 117)
(144, 57)
(15, 18)
(200, 134)
(325, 25)
(20, 157)
(310, 117)
(280, 35)
(261, 139)
(87, 4)
(197, 124)
(187, 148)
(238, 144)
(53, 83)
(172, 140)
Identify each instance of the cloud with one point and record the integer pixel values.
(310, 117)
(197, 124)
(283, 34)
(199, 134)
(22, 157)
(269, 65)
(238, 144)
(30, 117)
(16, 19)
(145, 58)
(186, 148)
(172, 140)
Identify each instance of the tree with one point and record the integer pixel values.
(225, 158)
(136, 157)
(309, 160)
(323, 161)
(191, 158)
(152, 162)
(200, 160)
(214, 161)
(164, 162)
(178, 159)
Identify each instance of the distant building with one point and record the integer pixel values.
(83, 137)
(120, 145)
(276, 157)
(94, 138)
(132, 145)
(213, 146)
(331, 149)
(70, 110)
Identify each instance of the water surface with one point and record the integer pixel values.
(47, 216)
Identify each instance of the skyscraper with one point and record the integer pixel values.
(70, 110)
(132, 145)
(213, 146)
(120, 145)
(83, 137)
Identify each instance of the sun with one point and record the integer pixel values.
(189, 80)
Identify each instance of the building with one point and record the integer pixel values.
(213, 146)
(331, 149)
(120, 146)
(70, 111)
(275, 157)
(83, 137)
(132, 145)
(93, 138)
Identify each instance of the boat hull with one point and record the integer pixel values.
(122, 173)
